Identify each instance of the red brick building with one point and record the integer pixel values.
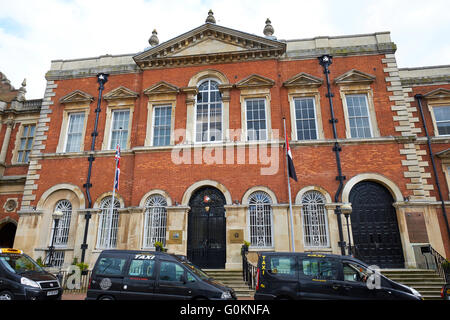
(199, 119)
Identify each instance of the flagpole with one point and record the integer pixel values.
(289, 190)
(110, 218)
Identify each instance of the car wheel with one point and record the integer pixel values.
(106, 298)
(6, 295)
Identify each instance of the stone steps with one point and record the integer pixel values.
(232, 279)
(427, 282)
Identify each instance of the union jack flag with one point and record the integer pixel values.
(117, 174)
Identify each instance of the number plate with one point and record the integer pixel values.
(52, 293)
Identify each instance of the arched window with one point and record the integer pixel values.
(155, 219)
(260, 215)
(60, 234)
(108, 224)
(208, 117)
(315, 224)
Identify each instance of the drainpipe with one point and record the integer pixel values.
(102, 78)
(325, 61)
(430, 150)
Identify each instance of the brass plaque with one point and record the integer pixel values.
(417, 230)
(236, 236)
(175, 237)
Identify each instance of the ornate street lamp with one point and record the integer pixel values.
(346, 209)
(57, 215)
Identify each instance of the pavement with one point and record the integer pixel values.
(81, 296)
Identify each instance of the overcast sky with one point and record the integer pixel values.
(32, 33)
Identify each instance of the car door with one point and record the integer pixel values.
(140, 280)
(355, 283)
(171, 282)
(319, 277)
(281, 276)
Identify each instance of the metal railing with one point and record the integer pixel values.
(248, 270)
(67, 283)
(439, 261)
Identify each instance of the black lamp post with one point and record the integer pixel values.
(325, 61)
(57, 215)
(102, 78)
(347, 210)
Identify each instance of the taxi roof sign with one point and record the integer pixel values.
(10, 250)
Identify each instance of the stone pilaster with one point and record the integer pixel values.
(38, 146)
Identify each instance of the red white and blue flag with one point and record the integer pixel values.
(290, 162)
(117, 174)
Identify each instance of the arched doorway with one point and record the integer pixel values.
(7, 234)
(206, 246)
(375, 227)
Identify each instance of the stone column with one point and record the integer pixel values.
(4, 150)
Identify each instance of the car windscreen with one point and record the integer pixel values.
(19, 263)
(197, 271)
(110, 266)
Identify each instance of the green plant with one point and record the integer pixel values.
(159, 246)
(446, 266)
(247, 244)
(83, 266)
(39, 262)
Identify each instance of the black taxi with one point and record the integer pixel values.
(146, 275)
(284, 275)
(21, 278)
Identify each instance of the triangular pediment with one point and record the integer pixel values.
(161, 87)
(208, 44)
(439, 93)
(303, 80)
(76, 96)
(354, 77)
(255, 81)
(120, 93)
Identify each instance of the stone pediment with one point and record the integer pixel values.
(439, 93)
(161, 87)
(208, 44)
(354, 77)
(255, 81)
(303, 80)
(120, 93)
(445, 154)
(77, 96)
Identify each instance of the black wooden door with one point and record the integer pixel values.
(374, 226)
(206, 229)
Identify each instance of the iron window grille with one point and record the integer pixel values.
(60, 235)
(260, 214)
(315, 222)
(155, 219)
(108, 224)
